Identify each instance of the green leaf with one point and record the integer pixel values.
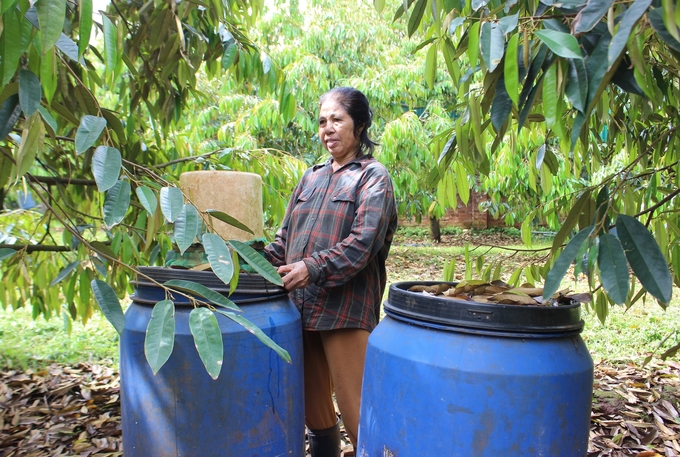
(9, 114)
(110, 45)
(229, 55)
(256, 261)
(116, 203)
(91, 127)
(551, 162)
(252, 328)
(540, 155)
(492, 43)
(187, 226)
(6, 169)
(656, 20)
(416, 16)
(48, 118)
(477, 4)
(501, 106)
(602, 205)
(462, 184)
(645, 258)
(68, 47)
(218, 256)
(6, 253)
(14, 40)
(147, 198)
(431, 66)
(65, 272)
(208, 339)
(570, 222)
(562, 44)
(51, 17)
(628, 21)
(30, 92)
(379, 5)
(233, 284)
(32, 140)
(669, 17)
(576, 127)
(48, 77)
(473, 44)
(511, 70)
(106, 165)
(160, 335)
(596, 67)
(402, 9)
(229, 220)
(202, 291)
(566, 257)
(602, 307)
(103, 249)
(613, 268)
(4, 6)
(590, 15)
(525, 231)
(550, 97)
(526, 108)
(115, 124)
(509, 23)
(109, 304)
(449, 53)
(85, 26)
(289, 107)
(172, 203)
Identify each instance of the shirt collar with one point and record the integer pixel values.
(360, 159)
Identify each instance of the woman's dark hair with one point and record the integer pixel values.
(356, 105)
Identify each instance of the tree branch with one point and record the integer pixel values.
(57, 180)
(661, 202)
(35, 247)
(189, 159)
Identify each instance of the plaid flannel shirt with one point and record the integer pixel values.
(341, 225)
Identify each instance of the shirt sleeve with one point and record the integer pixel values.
(376, 207)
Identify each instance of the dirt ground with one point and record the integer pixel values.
(75, 411)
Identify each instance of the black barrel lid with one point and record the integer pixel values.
(486, 316)
(251, 287)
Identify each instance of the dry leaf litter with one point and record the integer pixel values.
(500, 292)
(75, 411)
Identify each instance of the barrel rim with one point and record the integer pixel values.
(251, 288)
(486, 316)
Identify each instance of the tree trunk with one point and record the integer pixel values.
(435, 232)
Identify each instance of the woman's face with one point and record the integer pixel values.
(336, 131)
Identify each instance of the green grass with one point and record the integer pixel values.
(418, 231)
(630, 335)
(423, 232)
(28, 343)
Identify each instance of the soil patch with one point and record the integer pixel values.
(67, 411)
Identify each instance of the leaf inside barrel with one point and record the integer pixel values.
(436, 289)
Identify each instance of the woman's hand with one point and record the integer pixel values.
(295, 275)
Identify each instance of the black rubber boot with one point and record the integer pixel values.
(326, 442)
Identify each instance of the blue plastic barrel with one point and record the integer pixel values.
(448, 378)
(254, 409)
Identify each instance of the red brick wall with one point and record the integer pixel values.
(470, 216)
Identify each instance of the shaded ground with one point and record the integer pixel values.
(67, 411)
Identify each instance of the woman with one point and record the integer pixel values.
(331, 252)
